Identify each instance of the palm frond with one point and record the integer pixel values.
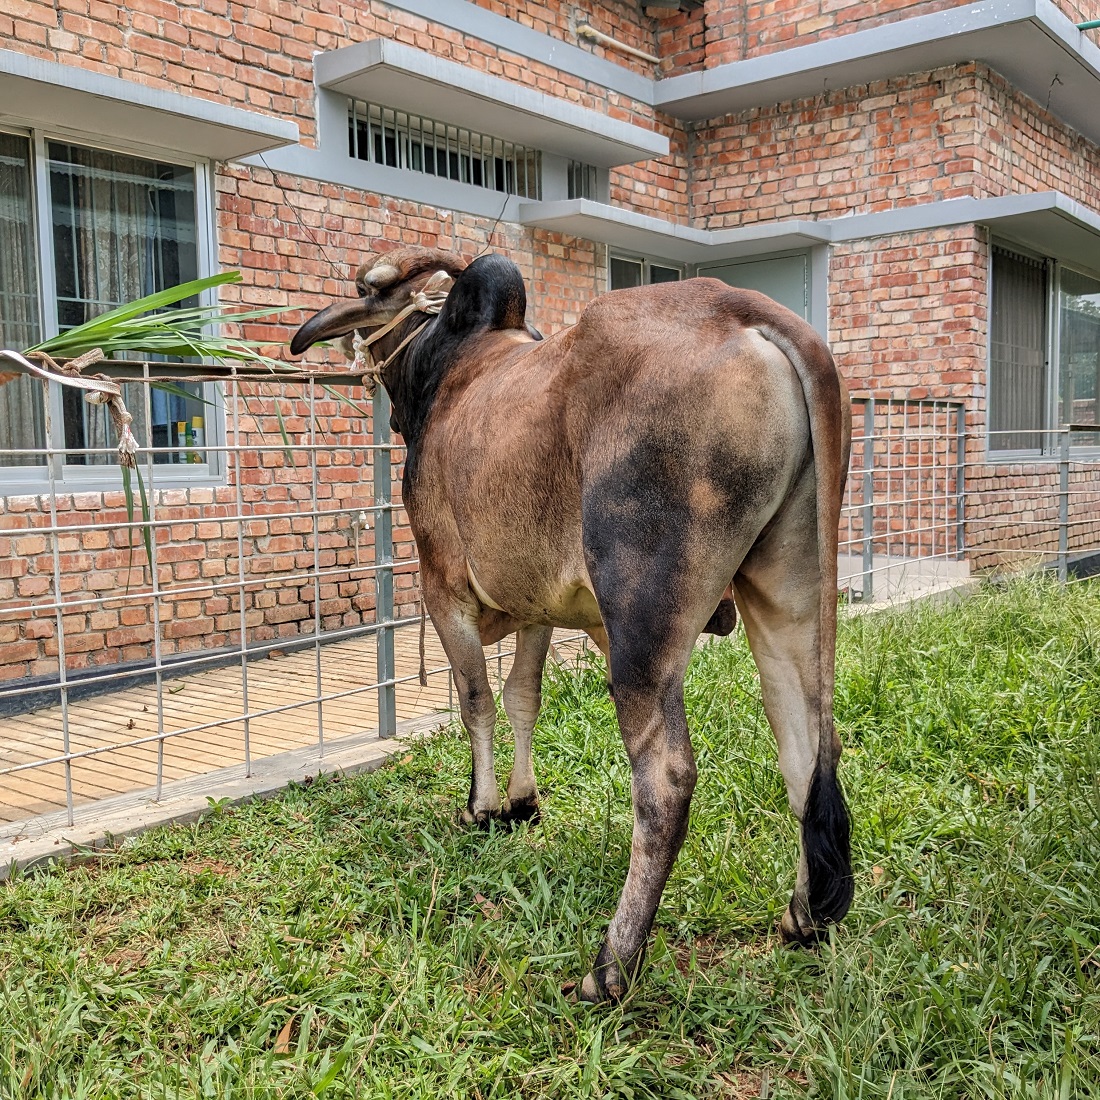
(148, 326)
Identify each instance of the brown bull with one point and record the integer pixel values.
(619, 477)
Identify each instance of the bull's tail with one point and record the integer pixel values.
(825, 823)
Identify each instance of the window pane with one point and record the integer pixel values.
(625, 273)
(21, 421)
(123, 227)
(658, 274)
(1017, 364)
(1079, 354)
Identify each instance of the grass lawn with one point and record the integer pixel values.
(349, 939)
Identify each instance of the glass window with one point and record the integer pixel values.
(624, 272)
(658, 274)
(1079, 353)
(119, 227)
(22, 424)
(123, 227)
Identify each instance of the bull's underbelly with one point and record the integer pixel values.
(533, 600)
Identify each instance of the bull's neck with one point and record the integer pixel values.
(413, 379)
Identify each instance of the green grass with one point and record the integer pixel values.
(348, 939)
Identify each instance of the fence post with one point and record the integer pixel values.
(868, 593)
(1063, 507)
(960, 481)
(383, 563)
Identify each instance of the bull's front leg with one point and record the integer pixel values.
(456, 623)
(522, 700)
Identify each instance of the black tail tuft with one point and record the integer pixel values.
(826, 842)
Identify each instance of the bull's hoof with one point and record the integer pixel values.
(596, 990)
(518, 810)
(611, 975)
(482, 818)
(796, 932)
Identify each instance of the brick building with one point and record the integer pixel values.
(919, 178)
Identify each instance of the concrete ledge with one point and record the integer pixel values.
(1048, 221)
(47, 93)
(393, 75)
(42, 840)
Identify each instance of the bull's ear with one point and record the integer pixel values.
(488, 295)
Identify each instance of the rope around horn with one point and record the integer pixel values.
(428, 300)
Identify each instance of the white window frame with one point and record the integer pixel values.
(23, 480)
(1050, 429)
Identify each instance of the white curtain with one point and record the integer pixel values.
(22, 423)
(107, 243)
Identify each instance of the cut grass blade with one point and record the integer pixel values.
(146, 528)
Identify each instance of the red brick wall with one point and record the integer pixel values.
(953, 133)
(295, 242)
(1025, 148)
(623, 20)
(871, 147)
(909, 312)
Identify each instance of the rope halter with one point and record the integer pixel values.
(428, 300)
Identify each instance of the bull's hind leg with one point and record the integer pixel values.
(778, 590)
(648, 660)
(522, 699)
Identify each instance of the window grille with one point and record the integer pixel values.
(582, 180)
(382, 135)
(1018, 346)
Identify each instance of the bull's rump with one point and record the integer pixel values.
(679, 438)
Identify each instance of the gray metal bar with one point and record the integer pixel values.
(59, 619)
(868, 593)
(316, 523)
(242, 618)
(383, 560)
(960, 481)
(1063, 507)
(154, 591)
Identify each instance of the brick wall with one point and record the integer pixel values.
(952, 133)
(909, 312)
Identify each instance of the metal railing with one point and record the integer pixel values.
(250, 615)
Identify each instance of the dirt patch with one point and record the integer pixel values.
(712, 951)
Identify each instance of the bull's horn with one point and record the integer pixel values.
(338, 320)
(381, 275)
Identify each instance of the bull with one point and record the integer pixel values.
(681, 444)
